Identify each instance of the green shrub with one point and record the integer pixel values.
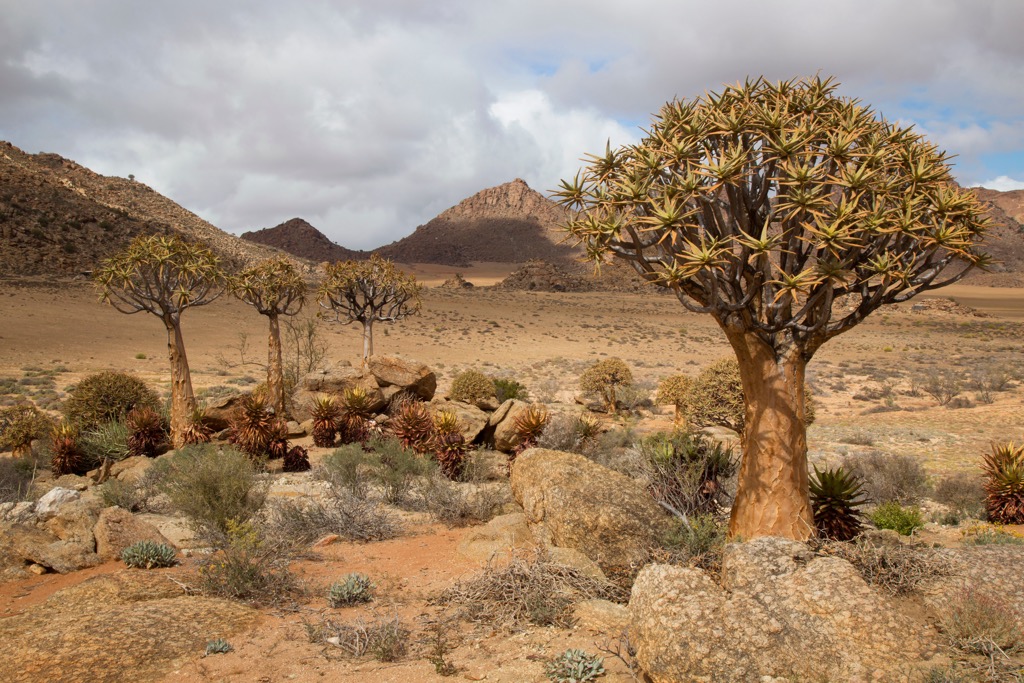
(605, 378)
(218, 646)
(889, 477)
(106, 397)
(214, 488)
(506, 389)
(347, 468)
(127, 495)
(395, 468)
(673, 390)
(701, 542)
(108, 441)
(471, 386)
(892, 515)
(149, 555)
(574, 666)
(686, 471)
(575, 433)
(352, 589)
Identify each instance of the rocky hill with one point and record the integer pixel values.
(301, 239)
(510, 223)
(60, 218)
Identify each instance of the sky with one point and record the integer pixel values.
(369, 117)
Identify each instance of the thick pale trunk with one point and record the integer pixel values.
(183, 400)
(772, 496)
(367, 340)
(275, 368)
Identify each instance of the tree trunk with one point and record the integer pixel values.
(367, 340)
(183, 400)
(275, 368)
(772, 497)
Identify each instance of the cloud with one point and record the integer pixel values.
(369, 118)
(1003, 184)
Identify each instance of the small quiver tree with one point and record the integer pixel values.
(164, 276)
(274, 288)
(20, 425)
(604, 378)
(367, 292)
(789, 214)
(673, 390)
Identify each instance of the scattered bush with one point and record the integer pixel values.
(570, 433)
(16, 477)
(506, 389)
(471, 386)
(149, 555)
(20, 425)
(903, 520)
(216, 489)
(395, 468)
(698, 543)
(604, 378)
(1004, 483)
(352, 589)
(836, 496)
(385, 639)
(574, 666)
(347, 468)
(107, 397)
(941, 385)
(889, 477)
(988, 534)
(962, 493)
(980, 622)
(127, 495)
(529, 589)
(352, 518)
(454, 505)
(106, 443)
(686, 471)
(896, 567)
(249, 568)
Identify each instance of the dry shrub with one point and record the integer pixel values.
(351, 517)
(896, 567)
(251, 568)
(458, 505)
(529, 589)
(384, 638)
(889, 477)
(962, 493)
(979, 622)
(16, 478)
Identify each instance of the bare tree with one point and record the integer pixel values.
(274, 288)
(368, 292)
(789, 214)
(165, 276)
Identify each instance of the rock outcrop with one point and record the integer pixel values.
(576, 503)
(116, 529)
(780, 612)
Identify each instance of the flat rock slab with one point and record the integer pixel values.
(131, 626)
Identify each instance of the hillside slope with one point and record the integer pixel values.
(299, 238)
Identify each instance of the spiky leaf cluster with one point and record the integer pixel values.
(272, 287)
(766, 203)
(162, 275)
(277, 444)
(146, 431)
(574, 666)
(361, 291)
(253, 425)
(197, 430)
(149, 555)
(528, 426)
(1004, 485)
(358, 402)
(296, 460)
(413, 425)
(449, 445)
(326, 414)
(351, 590)
(66, 452)
(836, 496)
(687, 471)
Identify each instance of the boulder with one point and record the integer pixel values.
(780, 612)
(53, 499)
(581, 505)
(17, 512)
(74, 522)
(472, 418)
(116, 529)
(334, 381)
(501, 535)
(36, 545)
(994, 570)
(602, 616)
(395, 371)
(503, 424)
(221, 410)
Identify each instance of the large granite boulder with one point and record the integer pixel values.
(780, 612)
(502, 424)
(116, 529)
(578, 504)
(334, 380)
(410, 375)
(473, 419)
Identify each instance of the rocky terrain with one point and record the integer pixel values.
(299, 238)
(60, 218)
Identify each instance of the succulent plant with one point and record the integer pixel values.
(1004, 485)
(326, 413)
(146, 431)
(296, 460)
(574, 666)
(149, 555)
(357, 401)
(252, 426)
(350, 590)
(529, 425)
(218, 646)
(413, 426)
(471, 386)
(277, 444)
(197, 430)
(835, 496)
(20, 425)
(67, 457)
(449, 444)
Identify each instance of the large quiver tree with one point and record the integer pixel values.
(165, 276)
(368, 292)
(789, 214)
(274, 288)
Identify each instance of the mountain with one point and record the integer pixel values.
(299, 238)
(510, 223)
(1004, 241)
(60, 218)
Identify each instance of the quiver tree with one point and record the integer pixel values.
(368, 292)
(274, 288)
(789, 214)
(165, 276)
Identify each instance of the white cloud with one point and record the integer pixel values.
(1003, 184)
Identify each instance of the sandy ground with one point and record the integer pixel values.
(862, 384)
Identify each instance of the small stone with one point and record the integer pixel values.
(327, 540)
(48, 505)
(37, 569)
